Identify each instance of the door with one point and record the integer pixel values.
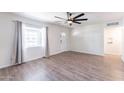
(63, 43)
(112, 41)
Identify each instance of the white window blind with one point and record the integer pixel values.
(32, 36)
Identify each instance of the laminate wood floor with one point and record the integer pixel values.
(67, 66)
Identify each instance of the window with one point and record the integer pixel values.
(31, 36)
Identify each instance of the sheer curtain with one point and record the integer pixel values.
(17, 56)
(45, 43)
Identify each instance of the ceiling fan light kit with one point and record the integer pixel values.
(71, 19)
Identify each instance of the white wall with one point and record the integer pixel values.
(54, 39)
(88, 39)
(32, 53)
(123, 45)
(123, 41)
(7, 36)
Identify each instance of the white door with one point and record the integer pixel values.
(63, 43)
(112, 41)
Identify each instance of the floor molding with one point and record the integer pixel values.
(88, 53)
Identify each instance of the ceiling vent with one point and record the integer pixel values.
(113, 24)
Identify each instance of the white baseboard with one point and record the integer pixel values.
(55, 53)
(7, 65)
(98, 54)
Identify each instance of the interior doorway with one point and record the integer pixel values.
(113, 40)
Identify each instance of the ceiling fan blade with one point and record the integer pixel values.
(79, 15)
(60, 18)
(81, 19)
(77, 22)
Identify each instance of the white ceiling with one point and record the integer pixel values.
(93, 17)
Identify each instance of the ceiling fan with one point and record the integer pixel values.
(71, 19)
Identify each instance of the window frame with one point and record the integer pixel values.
(38, 30)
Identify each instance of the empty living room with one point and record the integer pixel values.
(61, 46)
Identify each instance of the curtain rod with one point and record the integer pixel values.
(29, 23)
